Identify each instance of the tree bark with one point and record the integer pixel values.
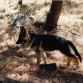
(20, 2)
(53, 16)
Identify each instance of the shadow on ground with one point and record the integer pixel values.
(61, 76)
(35, 75)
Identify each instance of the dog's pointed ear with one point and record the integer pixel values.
(22, 29)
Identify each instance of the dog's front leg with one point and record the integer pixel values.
(43, 55)
(38, 53)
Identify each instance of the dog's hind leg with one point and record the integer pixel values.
(69, 59)
(70, 56)
(74, 59)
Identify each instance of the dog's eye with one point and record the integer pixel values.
(22, 36)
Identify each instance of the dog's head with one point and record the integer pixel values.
(22, 39)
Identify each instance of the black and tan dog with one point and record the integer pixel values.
(41, 43)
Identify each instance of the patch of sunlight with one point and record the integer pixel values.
(13, 64)
(70, 21)
(11, 75)
(25, 77)
(14, 76)
(2, 31)
(7, 42)
(22, 68)
(81, 67)
(42, 12)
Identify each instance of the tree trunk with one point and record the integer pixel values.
(53, 15)
(19, 4)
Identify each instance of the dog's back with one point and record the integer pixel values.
(47, 42)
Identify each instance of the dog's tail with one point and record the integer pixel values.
(75, 50)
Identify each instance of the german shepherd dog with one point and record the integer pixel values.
(42, 42)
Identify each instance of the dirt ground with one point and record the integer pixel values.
(20, 65)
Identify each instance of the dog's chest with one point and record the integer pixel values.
(32, 43)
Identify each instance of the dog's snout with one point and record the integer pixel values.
(17, 42)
